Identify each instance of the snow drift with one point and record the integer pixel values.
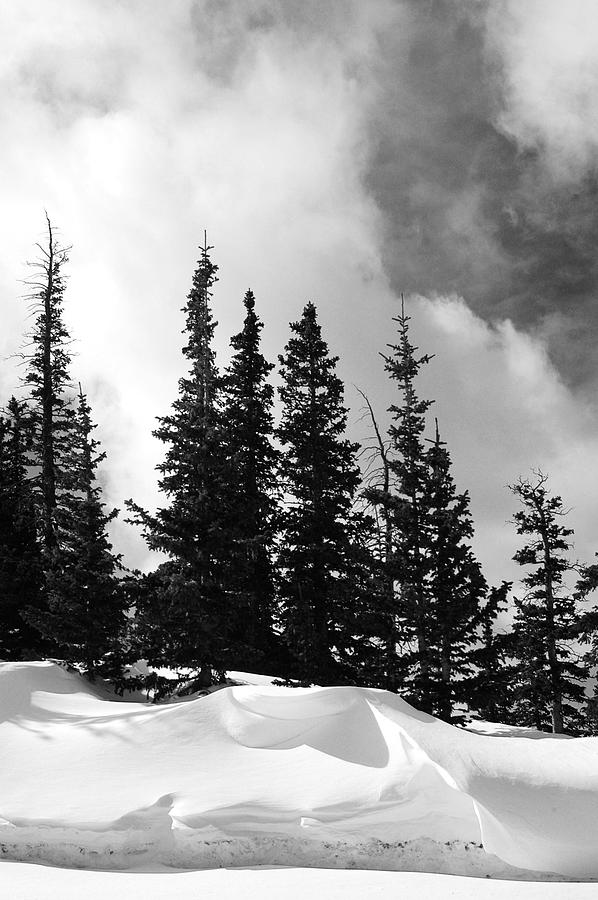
(259, 774)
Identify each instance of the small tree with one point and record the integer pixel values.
(319, 477)
(546, 620)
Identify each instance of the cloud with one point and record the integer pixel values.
(549, 58)
(475, 117)
(137, 131)
(504, 409)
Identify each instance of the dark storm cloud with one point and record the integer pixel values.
(468, 208)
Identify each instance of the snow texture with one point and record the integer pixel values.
(261, 775)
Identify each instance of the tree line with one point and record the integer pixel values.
(282, 551)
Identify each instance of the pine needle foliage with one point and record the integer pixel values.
(47, 359)
(411, 559)
(434, 597)
(249, 425)
(188, 616)
(21, 574)
(319, 477)
(546, 621)
(86, 616)
(456, 586)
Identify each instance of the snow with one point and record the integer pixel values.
(496, 729)
(34, 882)
(259, 775)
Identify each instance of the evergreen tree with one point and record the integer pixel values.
(47, 377)
(588, 631)
(20, 555)
(456, 587)
(588, 580)
(546, 620)
(248, 423)
(532, 695)
(82, 607)
(409, 465)
(434, 601)
(491, 690)
(383, 664)
(193, 615)
(318, 526)
(85, 619)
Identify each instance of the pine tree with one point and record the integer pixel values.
(586, 584)
(456, 587)
(20, 555)
(532, 693)
(319, 477)
(383, 665)
(411, 529)
(491, 689)
(546, 620)
(85, 620)
(82, 605)
(192, 615)
(47, 358)
(434, 600)
(248, 423)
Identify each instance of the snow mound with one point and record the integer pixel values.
(259, 774)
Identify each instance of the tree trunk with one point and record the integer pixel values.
(551, 647)
(445, 707)
(204, 678)
(48, 474)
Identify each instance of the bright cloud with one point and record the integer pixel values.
(504, 409)
(549, 51)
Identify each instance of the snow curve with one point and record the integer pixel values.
(317, 776)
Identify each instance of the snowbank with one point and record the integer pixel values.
(264, 775)
(23, 881)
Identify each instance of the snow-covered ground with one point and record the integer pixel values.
(22, 881)
(256, 775)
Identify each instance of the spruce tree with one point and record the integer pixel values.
(248, 425)
(47, 359)
(190, 619)
(85, 620)
(319, 477)
(412, 564)
(80, 613)
(491, 688)
(546, 620)
(456, 587)
(586, 584)
(434, 599)
(21, 577)
(383, 664)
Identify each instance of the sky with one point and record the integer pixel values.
(335, 151)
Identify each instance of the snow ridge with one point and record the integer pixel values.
(337, 777)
